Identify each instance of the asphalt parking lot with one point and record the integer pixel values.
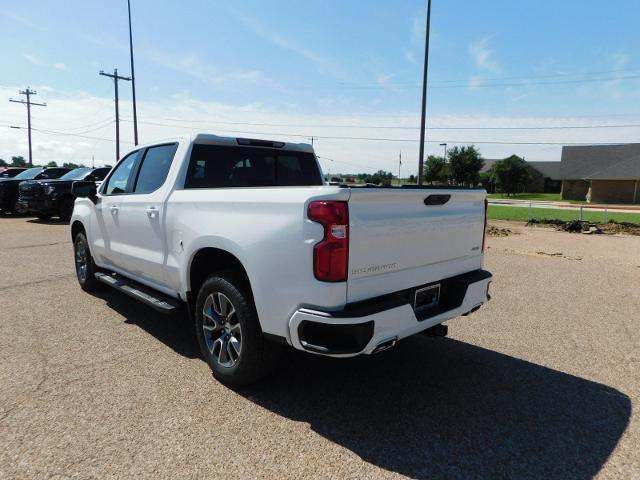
(541, 383)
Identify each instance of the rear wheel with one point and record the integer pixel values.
(66, 209)
(85, 268)
(229, 332)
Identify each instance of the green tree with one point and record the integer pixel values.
(52, 164)
(465, 164)
(510, 174)
(435, 169)
(72, 165)
(18, 161)
(3, 163)
(486, 180)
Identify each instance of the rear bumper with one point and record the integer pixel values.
(360, 328)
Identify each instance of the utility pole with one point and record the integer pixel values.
(28, 92)
(133, 79)
(445, 151)
(116, 77)
(399, 164)
(424, 94)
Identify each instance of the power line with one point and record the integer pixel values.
(63, 134)
(28, 92)
(381, 139)
(400, 127)
(486, 83)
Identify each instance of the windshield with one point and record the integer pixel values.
(76, 174)
(29, 174)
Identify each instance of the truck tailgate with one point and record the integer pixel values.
(402, 238)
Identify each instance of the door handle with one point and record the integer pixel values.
(152, 212)
(114, 210)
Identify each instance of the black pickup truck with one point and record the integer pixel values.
(11, 172)
(48, 198)
(9, 186)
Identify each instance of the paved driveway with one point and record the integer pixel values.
(539, 384)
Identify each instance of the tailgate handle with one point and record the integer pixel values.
(436, 200)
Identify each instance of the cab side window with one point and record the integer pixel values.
(120, 181)
(98, 174)
(155, 168)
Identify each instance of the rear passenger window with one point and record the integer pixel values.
(155, 167)
(216, 166)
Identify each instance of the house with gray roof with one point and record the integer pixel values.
(601, 173)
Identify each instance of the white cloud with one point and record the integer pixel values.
(77, 125)
(483, 56)
(191, 64)
(20, 19)
(33, 59)
(59, 66)
(321, 62)
(410, 57)
(383, 79)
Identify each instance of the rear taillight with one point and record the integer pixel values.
(484, 233)
(331, 255)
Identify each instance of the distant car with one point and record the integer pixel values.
(48, 198)
(11, 172)
(9, 186)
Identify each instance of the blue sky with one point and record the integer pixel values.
(328, 69)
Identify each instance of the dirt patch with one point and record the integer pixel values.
(493, 231)
(576, 226)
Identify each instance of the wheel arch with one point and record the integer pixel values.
(76, 227)
(209, 260)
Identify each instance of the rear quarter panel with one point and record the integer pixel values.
(267, 229)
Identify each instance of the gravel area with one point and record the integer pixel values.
(540, 383)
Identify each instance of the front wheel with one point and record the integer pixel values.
(229, 333)
(85, 268)
(66, 209)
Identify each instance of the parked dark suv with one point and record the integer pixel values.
(9, 186)
(48, 198)
(11, 172)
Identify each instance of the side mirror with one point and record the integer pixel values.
(85, 189)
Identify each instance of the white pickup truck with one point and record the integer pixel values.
(248, 237)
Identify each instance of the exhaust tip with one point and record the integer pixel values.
(385, 345)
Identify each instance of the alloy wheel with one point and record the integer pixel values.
(222, 330)
(81, 260)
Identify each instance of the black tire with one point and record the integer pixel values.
(257, 356)
(86, 277)
(66, 209)
(13, 206)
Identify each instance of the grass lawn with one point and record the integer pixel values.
(498, 212)
(545, 197)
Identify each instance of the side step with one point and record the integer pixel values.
(160, 302)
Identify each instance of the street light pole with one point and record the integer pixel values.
(133, 79)
(445, 151)
(424, 94)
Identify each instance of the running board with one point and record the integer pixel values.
(160, 302)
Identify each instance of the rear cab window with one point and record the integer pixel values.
(222, 166)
